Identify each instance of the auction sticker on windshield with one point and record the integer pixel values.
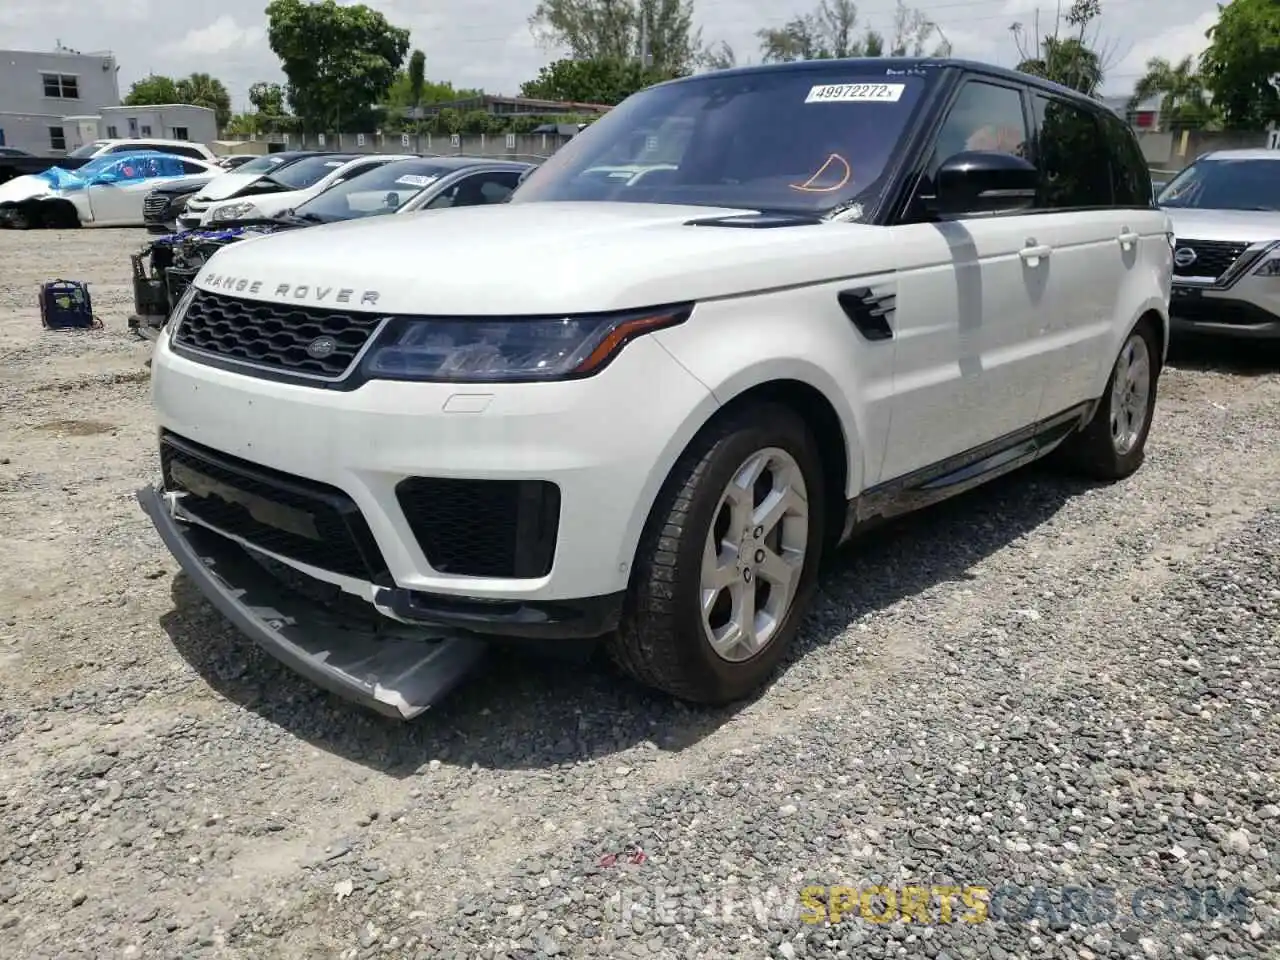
(855, 93)
(415, 180)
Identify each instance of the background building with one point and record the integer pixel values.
(39, 90)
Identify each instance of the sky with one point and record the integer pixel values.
(488, 44)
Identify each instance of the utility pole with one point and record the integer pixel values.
(646, 60)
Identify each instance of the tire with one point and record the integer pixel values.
(19, 219)
(663, 640)
(1113, 443)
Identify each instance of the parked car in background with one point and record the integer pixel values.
(401, 186)
(303, 180)
(163, 269)
(105, 192)
(644, 409)
(1225, 209)
(163, 205)
(258, 176)
(25, 164)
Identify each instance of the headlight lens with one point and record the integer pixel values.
(179, 310)
(464, 350)
(1270, 267)
(234, 211)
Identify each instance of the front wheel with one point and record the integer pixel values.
(728, 560)
(1113, 444)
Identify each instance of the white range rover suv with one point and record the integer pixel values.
(643, 409)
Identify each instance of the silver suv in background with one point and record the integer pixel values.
(1225, 209)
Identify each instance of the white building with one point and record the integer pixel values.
(38, 90)
(52, 103)
(167, 121)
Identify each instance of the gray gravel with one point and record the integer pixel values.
(1063, 694)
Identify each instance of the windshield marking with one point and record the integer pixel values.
(856, 93)
(845, 177)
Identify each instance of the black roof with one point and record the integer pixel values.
(903, 64)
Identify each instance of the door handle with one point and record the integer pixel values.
(1034, 252)
(1128, 238)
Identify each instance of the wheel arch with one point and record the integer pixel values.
(824, 412)
(59, 210)
(1153, 311)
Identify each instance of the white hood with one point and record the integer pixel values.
(1238, 226)
(24, 188)
(223, 186)
(539, 258)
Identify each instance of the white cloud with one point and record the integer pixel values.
(1173, 43)
(224, 35)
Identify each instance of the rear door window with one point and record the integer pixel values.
(1073, 156)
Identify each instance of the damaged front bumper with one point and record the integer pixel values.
(399, 671)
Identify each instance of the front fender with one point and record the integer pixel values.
(801, 370)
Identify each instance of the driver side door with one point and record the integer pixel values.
(971, 304)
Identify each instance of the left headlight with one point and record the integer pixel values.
(234, 211)
(519, 349)
(1270, 266)
(179, 310)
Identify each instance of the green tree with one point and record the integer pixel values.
(203, 90)
(615, 29)
(417, 77)
(1181, 91)
(831, 31)
(340, 60)
(1241, 67)
(267, 99)
(718, 56)
(608, 81)
(150, 90)
(1067, 56)
(199, 89)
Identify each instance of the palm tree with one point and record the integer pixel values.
(1183, 102)
(204, 90)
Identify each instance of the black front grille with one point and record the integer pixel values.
(274, 335)
(1213, 257)
(483, 528)
(154, 206)
(1220, 310)
(295, 518)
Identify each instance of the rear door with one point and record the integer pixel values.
(1094, 243)
(970, 301)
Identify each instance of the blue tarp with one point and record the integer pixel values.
(116, 168)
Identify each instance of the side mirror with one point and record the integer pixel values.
(104, 179)
(980, 181)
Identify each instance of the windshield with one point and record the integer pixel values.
(261, 164)
(798, 140)
(89, 149)
(1225, 184)
(307, 172)
(384, 189)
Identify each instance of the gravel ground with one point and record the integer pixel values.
(1062, 694)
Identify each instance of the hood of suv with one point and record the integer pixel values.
(541, 258)
(1239, 226)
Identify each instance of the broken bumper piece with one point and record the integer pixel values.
(399, 676)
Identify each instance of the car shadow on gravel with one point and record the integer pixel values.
(1248, 358)
(522, 712)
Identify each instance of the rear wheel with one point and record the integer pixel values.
(728, 561)
(1113, 444)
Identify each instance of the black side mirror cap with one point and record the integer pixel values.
(976, 182)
